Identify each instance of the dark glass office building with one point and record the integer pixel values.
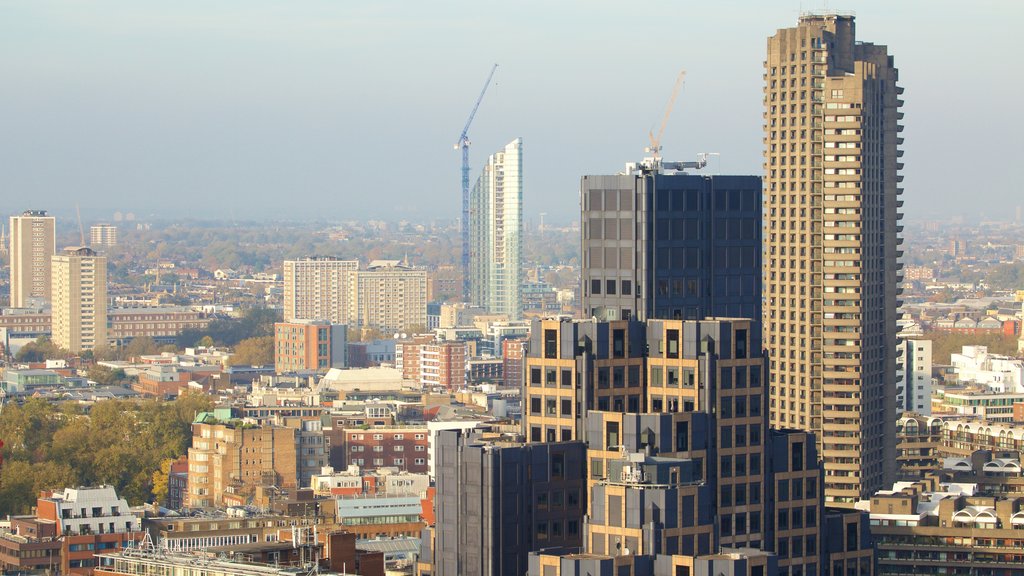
(661, 243)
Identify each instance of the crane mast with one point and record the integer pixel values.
(464, 144)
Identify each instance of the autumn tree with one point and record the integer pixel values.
(257, 351)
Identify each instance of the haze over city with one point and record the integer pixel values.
(345, 110)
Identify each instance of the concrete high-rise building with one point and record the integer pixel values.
(103, 235)
(32, 244)
(496, 233)
(388, 296)
(831, 247)
(317, 289)
(661, 243)
(79, 299)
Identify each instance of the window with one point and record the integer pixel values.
(551, 344)
(595, 286)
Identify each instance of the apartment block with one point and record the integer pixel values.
(311, 345)
(33, 243)
(229, 460)
(79, 299)
(102, 235)
(388, 296)
(88, 520)
(832, 246)
(444, 365)
(317, 288)
(496, 233)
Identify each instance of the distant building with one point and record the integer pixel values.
(914, 377)
(316, 345)
(443, 365)
(102, 235)
(496, 233)
(317, 289)
(402, 447)
(512, 354)
(388, 296)
(1000, 373)
(79, 299)
(33, 243)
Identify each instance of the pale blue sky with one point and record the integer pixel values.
(340, 110)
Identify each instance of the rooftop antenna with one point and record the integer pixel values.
(81, 231)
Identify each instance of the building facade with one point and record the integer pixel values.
(315, 345)
(660, 243)
(228, 461)
(499, 500)
(496, 233)
(388, 296)
(317, 289)
(831, 246)
(102, 235)
(79, 299)
(914, 375)
(33, 242)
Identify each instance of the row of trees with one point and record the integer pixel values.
(946, 343)
(118, 442)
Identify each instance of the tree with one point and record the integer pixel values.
(105, 376)
(257, 351)
(140, 346)
(206, 341)
(946, 343)
(160, 479)
(40, 350)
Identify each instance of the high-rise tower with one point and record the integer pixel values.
(661, 243)
(79, 299)
(32, 244)
(317, 289)
(496, 233)
(831, 245)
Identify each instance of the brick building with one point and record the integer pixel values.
(401, 447)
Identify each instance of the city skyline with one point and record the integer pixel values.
(274, 103)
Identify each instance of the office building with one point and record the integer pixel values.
(317, 289)
(315, 345)
(496, 233)
(101, 235)
(661, 243)
(388, 296)
(831, 247)
(32, 244)
(79, 299)
(498, 500)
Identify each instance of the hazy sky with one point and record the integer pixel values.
(335, 110)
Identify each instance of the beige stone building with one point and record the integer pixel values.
(831, 247)
(32, 244)
(79, 299)
(229, 460)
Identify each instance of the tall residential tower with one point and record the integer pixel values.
(831, 247)
(496, 233)
(32, 244)
(79, 299)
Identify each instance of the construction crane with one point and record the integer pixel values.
(464, 144)
(655, 148)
